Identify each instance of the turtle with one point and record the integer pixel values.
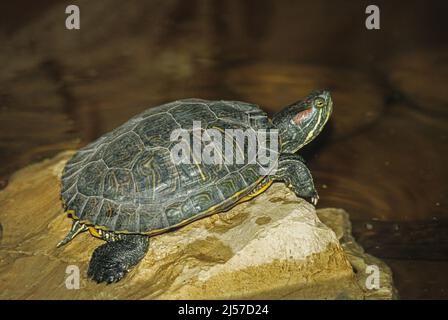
(125, 188)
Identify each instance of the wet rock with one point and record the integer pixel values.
(272, 247)
(362, 263)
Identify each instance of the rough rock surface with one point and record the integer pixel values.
(338, 221)
(272, 247)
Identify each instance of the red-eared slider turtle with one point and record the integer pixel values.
(125, 186)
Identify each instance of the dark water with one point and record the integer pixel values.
(382, 158)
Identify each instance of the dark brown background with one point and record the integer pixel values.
(383, 157)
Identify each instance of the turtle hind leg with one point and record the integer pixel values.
(112, 260)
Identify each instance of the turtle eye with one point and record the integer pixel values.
(319, 102)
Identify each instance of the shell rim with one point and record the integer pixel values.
(220, 207)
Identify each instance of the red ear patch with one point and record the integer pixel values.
(302, 115)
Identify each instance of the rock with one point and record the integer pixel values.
(273, 247)
(338, 221)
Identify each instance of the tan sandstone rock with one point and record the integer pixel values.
(273, 247)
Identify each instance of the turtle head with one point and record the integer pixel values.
(301, 122)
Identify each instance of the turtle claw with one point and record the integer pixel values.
(108, 276)
(106, 271)
(314, 200)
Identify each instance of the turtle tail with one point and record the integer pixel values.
(76, 229)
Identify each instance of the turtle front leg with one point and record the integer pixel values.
(295, 174)
(112, 260)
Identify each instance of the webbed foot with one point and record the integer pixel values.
(111, 261)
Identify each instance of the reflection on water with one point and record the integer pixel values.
(383, 156)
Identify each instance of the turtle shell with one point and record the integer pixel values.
(126, 182)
